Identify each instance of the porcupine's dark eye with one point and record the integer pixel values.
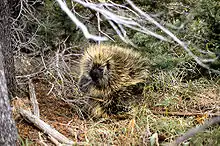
(108, 65)
(96, 73)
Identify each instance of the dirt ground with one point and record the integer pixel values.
(54, 112)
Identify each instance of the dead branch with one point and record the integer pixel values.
(33, 99)
(78, 23)
(56, 142)
(42, 140)
(30, 75)
(47, 129)
(196, 130)
(184, 113)
(105, 9)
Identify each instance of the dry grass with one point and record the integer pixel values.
(199, 96)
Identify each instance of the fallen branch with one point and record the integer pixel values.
(56, 142)
(33, 99)
(184, 113)
(196, 130)
(41, 141)
(47, 129)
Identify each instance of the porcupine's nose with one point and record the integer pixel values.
(96, 74)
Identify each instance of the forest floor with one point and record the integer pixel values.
(151, 123)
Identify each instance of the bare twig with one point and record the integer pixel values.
(196, 130)
(99, 28)
(33, 99)
(19, 14)
(31, 75)
(78, 23)
(119, 19)
(41, 141)
(57, 64)
(120, 34)
(183, 113)
(56, 142)
(51, 89)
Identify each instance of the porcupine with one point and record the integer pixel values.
(108, 74)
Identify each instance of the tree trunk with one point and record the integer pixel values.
(7, 51)
(8, 132)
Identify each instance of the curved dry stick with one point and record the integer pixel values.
(184, 113)
(78, 23)
(196, 130)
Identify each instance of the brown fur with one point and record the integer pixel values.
(106, 72)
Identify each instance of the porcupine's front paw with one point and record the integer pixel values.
(98, 111)
(110, 112)
(118, 111)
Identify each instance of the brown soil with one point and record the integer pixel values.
(54, 112)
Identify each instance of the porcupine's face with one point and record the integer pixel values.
(99, 74)
(95, 73)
